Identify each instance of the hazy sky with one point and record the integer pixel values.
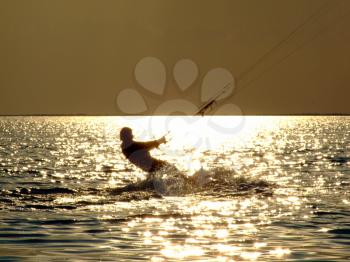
(75, 56)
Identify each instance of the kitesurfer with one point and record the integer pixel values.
(138, 153)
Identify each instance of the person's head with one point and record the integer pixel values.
(126, 134)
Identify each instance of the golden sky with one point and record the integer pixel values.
(75, 56)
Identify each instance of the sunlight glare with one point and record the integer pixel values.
(197, 132)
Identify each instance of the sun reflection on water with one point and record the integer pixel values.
(208, 229)
(219, 225)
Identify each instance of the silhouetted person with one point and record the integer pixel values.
(138, 153)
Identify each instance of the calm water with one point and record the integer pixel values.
(57, 176)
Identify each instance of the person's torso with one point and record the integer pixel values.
(138, 155)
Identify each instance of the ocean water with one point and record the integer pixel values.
(271, 189)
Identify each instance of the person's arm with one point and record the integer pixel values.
(152, 144)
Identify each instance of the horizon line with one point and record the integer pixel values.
(107, 115)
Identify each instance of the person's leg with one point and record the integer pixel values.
(158, 165)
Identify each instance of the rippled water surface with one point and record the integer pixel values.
(278, 190)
